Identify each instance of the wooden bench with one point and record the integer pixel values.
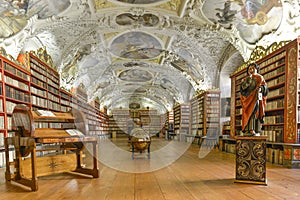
(59, 146)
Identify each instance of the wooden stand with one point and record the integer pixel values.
(251, 160)
(64, 146)
(143, 144)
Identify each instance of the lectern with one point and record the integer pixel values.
(60, 146)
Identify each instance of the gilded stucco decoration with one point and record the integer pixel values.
(260, 52)
(291, 123)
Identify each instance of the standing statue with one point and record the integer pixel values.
(253, 99)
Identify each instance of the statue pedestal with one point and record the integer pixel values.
(251, 160)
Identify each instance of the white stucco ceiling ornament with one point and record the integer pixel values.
(204, 45)
(165, 82)
(15, 43)
(290, 25)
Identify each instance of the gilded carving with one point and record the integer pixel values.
(250, 161)
(99, 4)
(260, 52)
(291, 129)
(172, 5)
(42, 54)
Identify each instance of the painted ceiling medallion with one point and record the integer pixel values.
(135, 75)
(253, 18)
(128, 19)
(136, 45)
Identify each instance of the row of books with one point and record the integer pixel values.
(275, 135)
(38, 75)
(16, 71)
(273, 72)
(276, 81)
(17, 94)
(274, 156)
(274, 119)
(34, 64)
(276, 92)
(16, 83)
(277, 103)
(37, 91)
(38, 82)
(280, 56)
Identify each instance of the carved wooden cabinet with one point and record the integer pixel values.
(251, 160)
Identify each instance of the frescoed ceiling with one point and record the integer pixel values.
(154, 53)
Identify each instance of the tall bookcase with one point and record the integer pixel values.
(65, 100)
(14, 89)
(44, 85)
(205, 112)
(150, 121)
(181, 118)
(32, 81)
(118, 121)
(169, 125)
(281, 70)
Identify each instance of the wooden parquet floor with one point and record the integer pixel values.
(187, 178)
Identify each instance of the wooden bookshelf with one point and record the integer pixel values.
(169, 125)
(118, 121)
(32, 81)
(150, 120)
(181, 119)
(280, 68)
(226, 129)
(14, 89)
(44, 85)
(65, 100)
(97, 121)
(205, 112)
(163, 121)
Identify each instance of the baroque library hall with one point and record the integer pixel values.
(150, 99)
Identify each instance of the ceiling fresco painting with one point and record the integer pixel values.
(136, 45)
(253, 18)
(130, 19)
(135, 75)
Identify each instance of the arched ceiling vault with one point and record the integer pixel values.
(151, 52)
